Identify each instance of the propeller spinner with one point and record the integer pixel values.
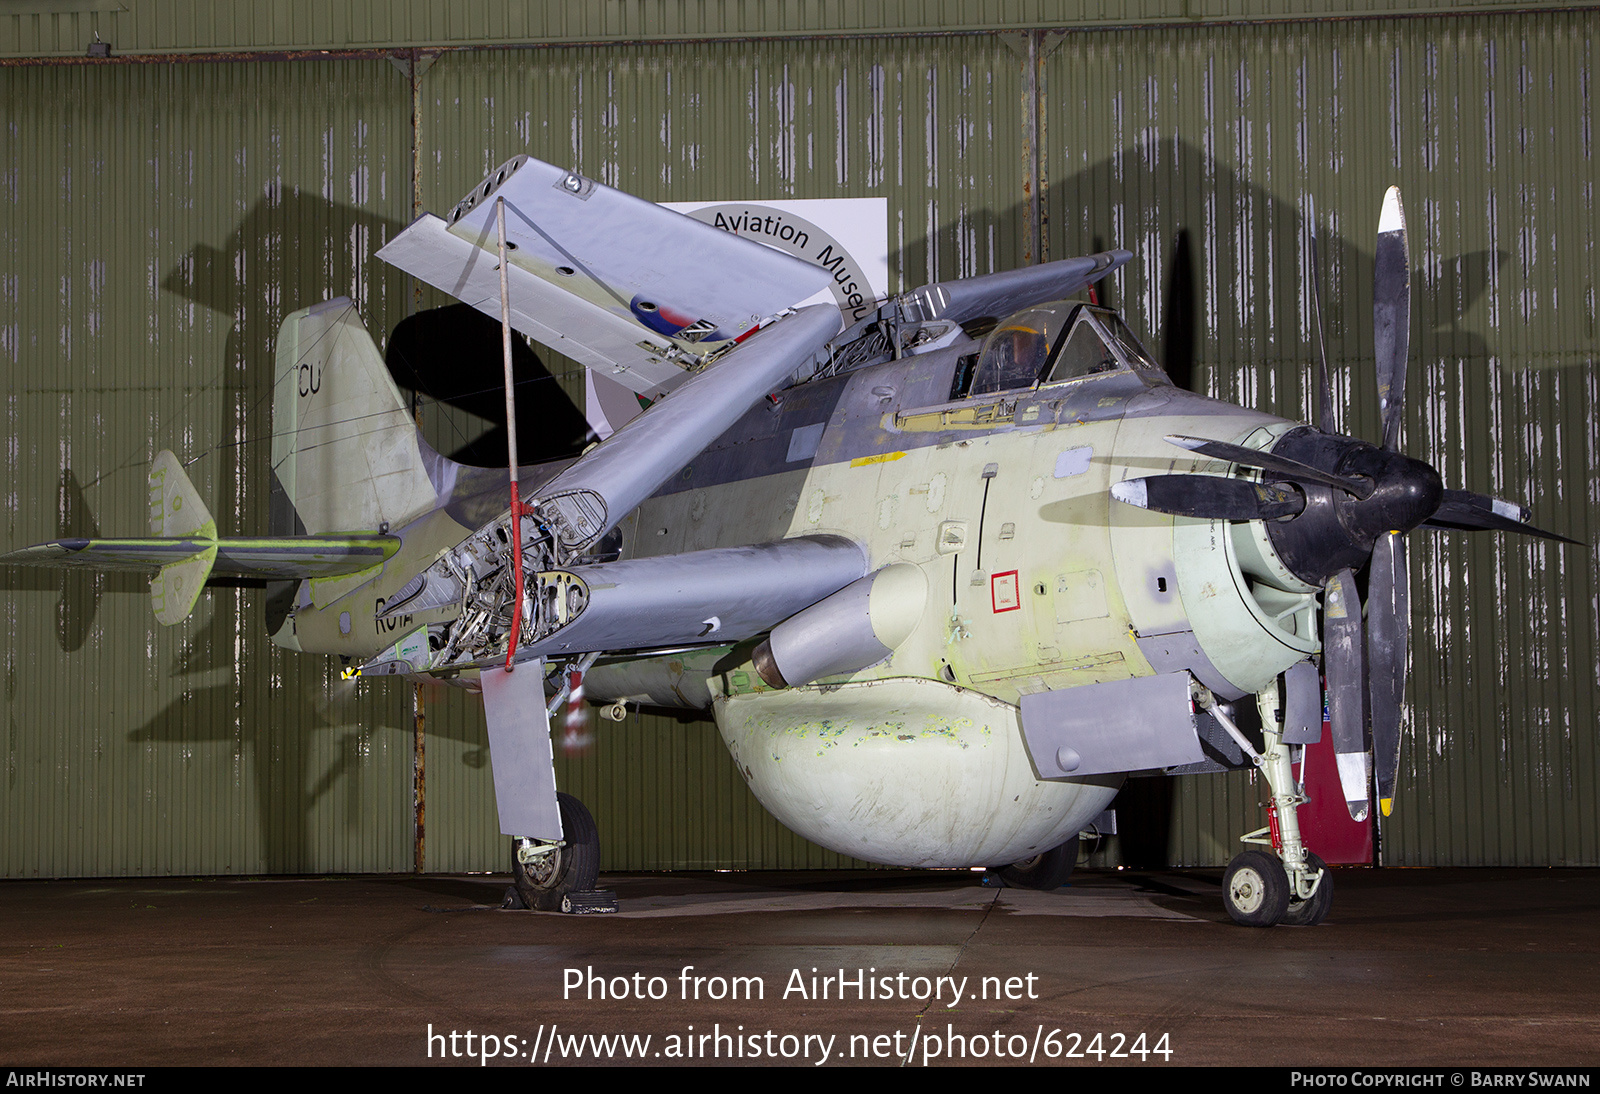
(1335, 505)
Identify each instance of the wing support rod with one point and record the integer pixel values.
(511, 438)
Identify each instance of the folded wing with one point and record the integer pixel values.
(606, 278)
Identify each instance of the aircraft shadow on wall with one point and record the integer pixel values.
(943, 577)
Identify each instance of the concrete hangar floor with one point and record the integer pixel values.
(1445, 967)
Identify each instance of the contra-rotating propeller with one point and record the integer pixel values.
(1334, 505)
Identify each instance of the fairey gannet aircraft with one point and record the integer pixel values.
(944, 577)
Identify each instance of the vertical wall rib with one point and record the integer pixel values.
(157, 221)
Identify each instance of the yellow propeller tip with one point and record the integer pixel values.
(1387, 805)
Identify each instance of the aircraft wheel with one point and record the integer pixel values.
(1045, 871)
(1308, 913)
(573, 868)
(1255, 889)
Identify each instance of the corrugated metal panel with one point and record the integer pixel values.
(35, 28)
(461, 829)
(931, 124)
(156, 223)
(1220, 137)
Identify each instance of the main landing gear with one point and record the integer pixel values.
(1046, 871)
(551, 877)
(1292, 886)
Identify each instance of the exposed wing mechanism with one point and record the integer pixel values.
(588, 499)
(611, 280)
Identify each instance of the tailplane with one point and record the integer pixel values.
(348, 464)
(183, 549)
(180, 518)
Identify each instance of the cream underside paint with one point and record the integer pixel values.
(904, 772)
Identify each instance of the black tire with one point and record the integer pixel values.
(1308, 913)
(1046, 871)
(1255, 889)
(573, 868)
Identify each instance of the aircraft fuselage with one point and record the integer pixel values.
(1036, 581)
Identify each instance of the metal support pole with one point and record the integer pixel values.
(511, 438)
(418, 783)
(1286, 795)
(1033, 206)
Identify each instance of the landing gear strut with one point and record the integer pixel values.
(1293, 886)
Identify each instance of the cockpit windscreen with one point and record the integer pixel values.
(1056, 342)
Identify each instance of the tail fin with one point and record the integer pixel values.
(346, 456)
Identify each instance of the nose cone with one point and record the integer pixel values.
(1405, 492)
(1337, 530)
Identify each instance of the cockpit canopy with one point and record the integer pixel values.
(1055, 342)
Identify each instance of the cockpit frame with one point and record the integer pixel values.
(1055, 343)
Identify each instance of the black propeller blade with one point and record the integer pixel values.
(1388, 580)
(1388, 629)
(1391, 315)
(1344, 661)
(1291, 470)
(1463, 510)
(1210, 497)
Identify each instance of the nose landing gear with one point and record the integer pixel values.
(1256, 889)
(1293, 886)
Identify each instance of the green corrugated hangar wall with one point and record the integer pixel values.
(162, 209)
